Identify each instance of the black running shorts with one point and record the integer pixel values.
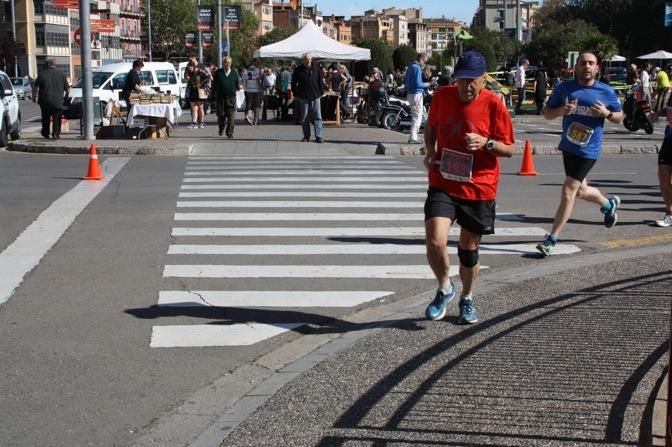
(665, 154)
(577, 167)
(477, 216)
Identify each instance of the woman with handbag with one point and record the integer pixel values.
(200, 82)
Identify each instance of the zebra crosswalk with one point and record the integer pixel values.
(307, 223)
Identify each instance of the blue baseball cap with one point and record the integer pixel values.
(470, 65)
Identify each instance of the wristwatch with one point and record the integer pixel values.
(489, 145)
(610, 115)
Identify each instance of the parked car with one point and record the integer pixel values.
(10, 115)
(109, 80)
(22, 88)
(617, 74)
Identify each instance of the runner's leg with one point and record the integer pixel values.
(436, 231)
(468, 275)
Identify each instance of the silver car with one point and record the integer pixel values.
(22, 88)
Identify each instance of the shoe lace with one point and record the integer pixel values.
(468, 306)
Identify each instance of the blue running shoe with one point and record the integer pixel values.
(437, 308)
(467, 312)
(610, 217)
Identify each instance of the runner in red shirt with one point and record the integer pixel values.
(469, 127)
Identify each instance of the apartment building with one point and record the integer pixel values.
(263, 10)
(372, 25)
(418, 36)
(343, 29)
(502, 15)
(441, 33)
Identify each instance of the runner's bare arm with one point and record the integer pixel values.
(430, 146)
(477, 142)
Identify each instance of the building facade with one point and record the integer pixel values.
(441, 33)
(502, 15)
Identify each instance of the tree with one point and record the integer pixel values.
(275, 35)
(243, 40)
(381, 54)
(552, 41)
(497, 48)
(403, 55)
(171, 19)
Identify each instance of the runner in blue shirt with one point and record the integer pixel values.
(584, 104)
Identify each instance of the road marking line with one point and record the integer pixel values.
(22, 255)
(270, 217)
(352, 232)
(306, 172)
(330, 194)
(323, 179)
(421, 271)
(296, 204)
(622, 243)
(259, 189)
(297, 163)
(321, 167)
(353, 249)
(283, 157)
(266, 298)
(200, 335)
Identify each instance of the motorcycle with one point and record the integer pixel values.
(397, 113)
(637, 111)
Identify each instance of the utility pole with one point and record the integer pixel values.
(87, 81)
(219, 34)
(200, 37)
(16, 45)
(149, 28)
(519, 22)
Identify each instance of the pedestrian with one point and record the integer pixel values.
(285, 92)
(468, 129)
(633, 76)
(662, 91)
(540, 86)
(520, 84)
(646, 82)
(308, 87)
(51, 89)
(584, 104)
(226, 84)
(346, 92)
(270, 101)
(665, 169)
(415, 93)
(199, 83)
(253, 89)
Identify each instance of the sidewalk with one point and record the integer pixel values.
(570, 354)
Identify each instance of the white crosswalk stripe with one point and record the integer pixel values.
(300, 250)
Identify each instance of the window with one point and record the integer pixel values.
(146, 76)
(6, 83)
(39, 35)
(119, 81)
(166, 77)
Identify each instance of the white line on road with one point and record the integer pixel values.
(271, 217)
(266, 162)
(22, 255)
(182, 336)
(302, 271)
(266, 298)
(353, 249)
(256, 179)
(321, 167)
(421, 186)
(306, 172)
(296, 204)
(283, 157)
(359, 232)
(330, 194)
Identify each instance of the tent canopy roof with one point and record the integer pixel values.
(310, 39)
(660, 54)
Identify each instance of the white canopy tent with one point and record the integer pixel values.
(660, 54)
(617, 58)
(310, 39)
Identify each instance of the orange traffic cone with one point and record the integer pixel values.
(527, 168)
(94, 168)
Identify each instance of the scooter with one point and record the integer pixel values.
(637, 111)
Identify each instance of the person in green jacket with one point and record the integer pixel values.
(226, 85)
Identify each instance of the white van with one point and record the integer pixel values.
(109, 81)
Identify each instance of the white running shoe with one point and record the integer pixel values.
(666, 222)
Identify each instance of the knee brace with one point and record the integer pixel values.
(468, 258)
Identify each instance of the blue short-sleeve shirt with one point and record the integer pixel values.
(581, 131)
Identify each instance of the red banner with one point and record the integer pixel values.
(102, 26)
(65, 4)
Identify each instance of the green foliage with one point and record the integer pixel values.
(243, 40)
(381, 53)
(167, 31)
(403, 55)
(275, 35)
(497, 48)
(552, 41)
(636, 26)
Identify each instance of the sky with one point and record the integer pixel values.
(462, 10)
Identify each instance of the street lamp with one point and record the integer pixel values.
(149, 28)
(16, 59)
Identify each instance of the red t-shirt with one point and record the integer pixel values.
(451, 120)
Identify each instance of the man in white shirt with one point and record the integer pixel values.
(520, 83)
(646, 82)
